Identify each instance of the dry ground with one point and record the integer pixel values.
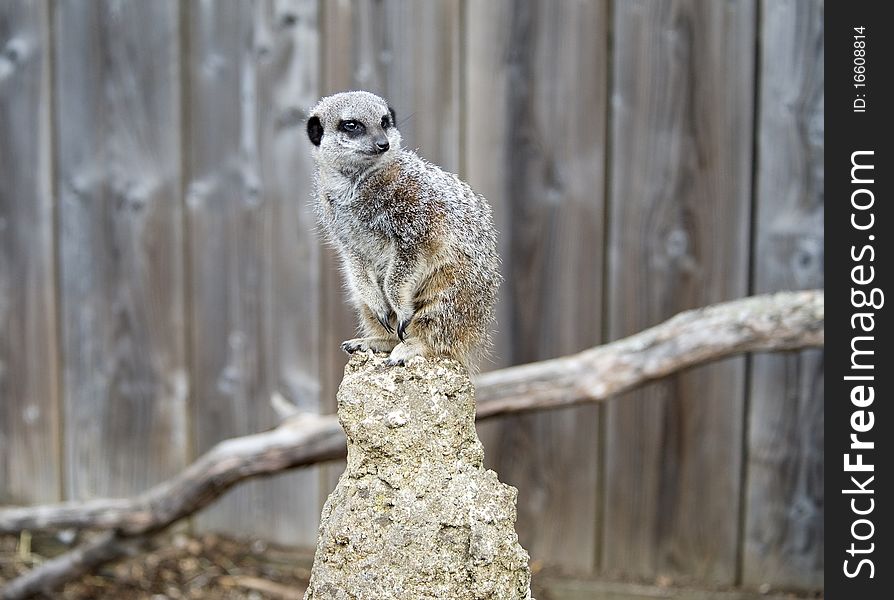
(209, 567)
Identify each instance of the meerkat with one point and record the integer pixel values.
(417, 246)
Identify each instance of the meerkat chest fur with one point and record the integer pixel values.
(349, 225)
(371, 218)
(417, 245)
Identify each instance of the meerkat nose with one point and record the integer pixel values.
(382, 144)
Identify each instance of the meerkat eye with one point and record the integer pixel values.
(351, 126)
(386, 122)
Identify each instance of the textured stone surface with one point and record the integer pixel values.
(415, 515)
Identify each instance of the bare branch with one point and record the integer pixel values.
(301, 441)
(84, 559)
(773, 322)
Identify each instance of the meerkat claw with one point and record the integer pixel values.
(402, 330)
(384, 322)
(395, 362)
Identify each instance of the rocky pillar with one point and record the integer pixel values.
(415, 515)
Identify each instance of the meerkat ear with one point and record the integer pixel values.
(393, 117)
(315, 130)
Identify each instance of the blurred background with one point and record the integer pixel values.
(161, 277)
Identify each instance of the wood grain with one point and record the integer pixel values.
(288, 46)
(783, 543)
(252, 259)
(421, 69)
(680, 215)
(29, 369)
(535, 138)
(120, 244)
(485, 152)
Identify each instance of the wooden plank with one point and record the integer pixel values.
(288, 83)
(118, 115)
(29, 370)
(485, 150)
(564, 588)
(535, 134)
(420, 53)
(409, 53)
(783, 543)
(227, 229)
(253, 254)
(680, 212)
(337, 318)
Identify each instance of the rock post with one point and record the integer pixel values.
(415, 516)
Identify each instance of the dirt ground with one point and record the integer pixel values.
(182, 567)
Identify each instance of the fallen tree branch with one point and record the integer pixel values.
(300, 441)
(82, 560)
(784, 321)
(769, 323)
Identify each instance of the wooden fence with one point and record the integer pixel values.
(160, 276)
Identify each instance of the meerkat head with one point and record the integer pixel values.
(353, 131)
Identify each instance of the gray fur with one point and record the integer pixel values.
(417, 245)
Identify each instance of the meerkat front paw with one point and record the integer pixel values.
(404, 352)
(376, 344)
